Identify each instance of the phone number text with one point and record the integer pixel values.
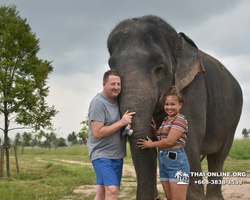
(218, 182)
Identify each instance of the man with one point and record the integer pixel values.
(107, 146)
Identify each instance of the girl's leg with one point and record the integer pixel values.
(166, 187)
(178, 191)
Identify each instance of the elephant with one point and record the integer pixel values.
(150, 57)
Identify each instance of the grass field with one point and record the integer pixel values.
(44, 176)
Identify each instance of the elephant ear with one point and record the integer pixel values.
(189, 62)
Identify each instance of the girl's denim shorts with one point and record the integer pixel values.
(174, 165)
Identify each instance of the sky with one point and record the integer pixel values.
(73, 34)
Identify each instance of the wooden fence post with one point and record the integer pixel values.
(17, 167)
(2, 161)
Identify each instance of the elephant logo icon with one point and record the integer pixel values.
(182, 177)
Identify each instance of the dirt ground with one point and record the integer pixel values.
(230, 192)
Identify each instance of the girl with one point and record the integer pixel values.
(172, 136)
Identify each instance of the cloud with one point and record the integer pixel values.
(71, 96)
(226, 33)
(73, 35)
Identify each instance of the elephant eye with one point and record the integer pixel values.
(159, 71)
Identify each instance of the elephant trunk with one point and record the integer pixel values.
(141, 99)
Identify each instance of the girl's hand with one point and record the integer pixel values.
(145, 143)
(153, 125)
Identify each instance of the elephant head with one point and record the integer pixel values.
(150, 57)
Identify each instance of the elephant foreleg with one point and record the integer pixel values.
(145, 166)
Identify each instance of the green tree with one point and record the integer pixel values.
(18, 139)
(26, 139)
(34, 142)
(246, 133)
(73, 138)
(23, 77)
(84, 133)
(54, 141)
(47, 142)
(61, 142)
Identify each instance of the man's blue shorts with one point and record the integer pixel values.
(108, 171)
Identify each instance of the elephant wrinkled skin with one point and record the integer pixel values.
(151, 57)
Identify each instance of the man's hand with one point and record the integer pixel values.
(145, 143)
(127, 118)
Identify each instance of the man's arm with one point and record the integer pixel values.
(99, 130)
